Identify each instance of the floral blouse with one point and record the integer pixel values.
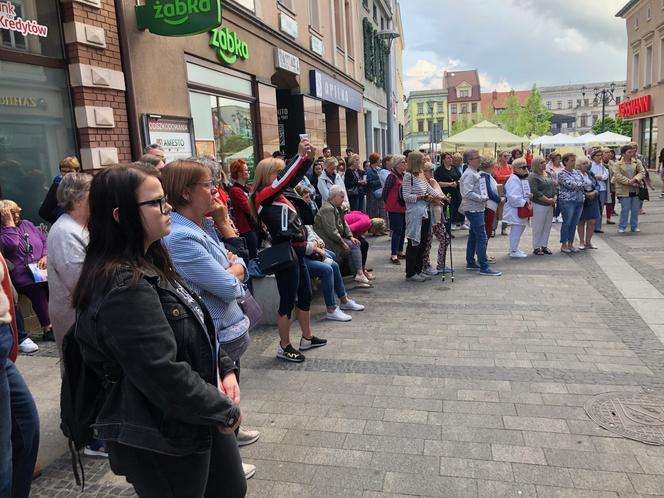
(571, 185)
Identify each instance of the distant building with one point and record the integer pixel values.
(580, 101)
(645, 74)
(463, 95)
(497, 100)
(426, 119)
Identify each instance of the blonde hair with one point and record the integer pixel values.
(329, 161)
(582, 161)
(11, 205)
(537, 160)
(354, 159)
(70, 162)
(415, 162)
(517, 163)
(264, 170)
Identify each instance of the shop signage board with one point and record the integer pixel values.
(173, 134)
(229, 47)
(327, 88)
(317, 45)
(13, 22)
(635, 106)
(178, 17)
(288, 25)
(286, 61)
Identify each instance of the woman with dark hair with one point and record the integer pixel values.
(168, 426)
(355, 183)
(239, 196)
(284, 225)
(316, 171)
(448, 178)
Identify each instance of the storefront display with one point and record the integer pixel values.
(173, 134)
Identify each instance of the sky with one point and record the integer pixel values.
(513, 43)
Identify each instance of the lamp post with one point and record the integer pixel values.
(388, 35)
(606, 95)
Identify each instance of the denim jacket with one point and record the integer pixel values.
(163, 393)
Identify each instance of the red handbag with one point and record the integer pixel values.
(525, 211)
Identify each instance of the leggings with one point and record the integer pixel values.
(215, 473)
(294, 284)
(38, 295)
(442, 235)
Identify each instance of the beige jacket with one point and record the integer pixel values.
(621, 178)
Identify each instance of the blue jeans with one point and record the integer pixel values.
(330, 276)
(629, 207)
(571, 211)
(398, 227)
(477, 240)
(19, 425)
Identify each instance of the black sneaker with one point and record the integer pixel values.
(314, 342)
(289, 353)
(48, 335)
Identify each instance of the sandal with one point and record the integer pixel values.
(401, 255)
(546, 250)
(395, 260)
(538, 251)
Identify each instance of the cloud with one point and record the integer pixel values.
(427, 75)
(570, 40)
(489, 84)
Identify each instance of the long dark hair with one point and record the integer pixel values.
(117, 244)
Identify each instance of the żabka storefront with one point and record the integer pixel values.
(36, 118)
(217, 79)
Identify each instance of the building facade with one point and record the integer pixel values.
(644, 105)
(399, 88)
(583, 102)
(426, 119)
(495, 102)
(463, 96)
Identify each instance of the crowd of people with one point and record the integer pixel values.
(154, 263)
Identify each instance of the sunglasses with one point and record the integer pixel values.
(162, 202)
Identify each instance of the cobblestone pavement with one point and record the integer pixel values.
(472, 389)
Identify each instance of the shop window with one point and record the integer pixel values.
(36, 132)
(314, 14)
(45, 14)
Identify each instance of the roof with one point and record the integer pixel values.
(484, 134)
(627, 7)
(452, 79)
(497, 100)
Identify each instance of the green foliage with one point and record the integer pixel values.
(616, 125)
(512, 115)
(462, 124)
(532, 118)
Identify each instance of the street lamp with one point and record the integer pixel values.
(605, 95)
(388, 35)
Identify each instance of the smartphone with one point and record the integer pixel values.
(304, 136)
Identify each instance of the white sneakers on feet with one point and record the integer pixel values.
(351, 305)
(518, 254)
(338, 315)
(28, 346)
(431, 272)
(249, 470)
(361, 279)
(416, 278)
(245, 436)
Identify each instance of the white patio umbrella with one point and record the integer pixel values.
(610, 139)
(551, 142)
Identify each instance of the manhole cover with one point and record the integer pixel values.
(631, 415)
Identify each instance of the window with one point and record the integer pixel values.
(464, 108)
(349, 29)
(420, 108)
(583, 121)
(661, 59)
(338, 24)
(365, 4)
(248, 4)
(440, 125)
(288, 4)
(439, 107)
(570, 104)
(464, 92)
(420, 126)
(382, 23)
(586, 102)
(648, 80)
(595, 118)
(648, 13)
(473, 107)
(375, 13)
(314, 14)
(44, 13)
(548, 104)
(595, 102)
(635, 71)
(453, 108)
(636, 23)
(560, 104)
(617, 100)
(578, 102)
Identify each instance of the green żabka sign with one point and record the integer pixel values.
(178, 17)
(229, 46)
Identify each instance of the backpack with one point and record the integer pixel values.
(82, 394)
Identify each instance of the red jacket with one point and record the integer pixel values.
(239, 196)
(393, 184)
(502, 173)
(358, 222)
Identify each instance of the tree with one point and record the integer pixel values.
(535, 118)
(615, 125)
(510, 118)
(462, 124)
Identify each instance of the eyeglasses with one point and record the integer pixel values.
(162, 202)
(210, 184)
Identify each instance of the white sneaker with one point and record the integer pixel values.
(425, 276)
(518, 254)
(554, 220)
(431, 272)
(351, 305)
(338, 315)
(465, 227)
(361, 279)
(249, 470)
(245, 436)
(28, 346)
(621, 230)
(416, 278)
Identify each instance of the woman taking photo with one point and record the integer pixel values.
(168, 426)
(239, 196)
(396, 208)
(284, 225)
(591, 206)
(571, 189)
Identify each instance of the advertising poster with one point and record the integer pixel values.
(173, 134)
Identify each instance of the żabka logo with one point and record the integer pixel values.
(229, 46)
(178, 12)
(9, 20)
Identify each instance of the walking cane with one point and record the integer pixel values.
(447, 217)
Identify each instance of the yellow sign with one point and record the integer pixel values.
(14, 101)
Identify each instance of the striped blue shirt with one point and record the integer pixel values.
(201, 259)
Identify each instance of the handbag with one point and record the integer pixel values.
(643, 193)
(251, 308)
(525, 211)
(238, 246)
(276, 258)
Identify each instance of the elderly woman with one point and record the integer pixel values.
(67, 243)
(417, 194)
(448, 178)
(518, 195)
(571, 189)
(601, 173)
(438, 228)
(329, 177)
(628, 174)
(332, 228)
(553, 167)
(24, 245)
(49, 210)
(591, 207)
(355, 182)
(215, 274)
(494, 201)
(395, 207)
(544, 200)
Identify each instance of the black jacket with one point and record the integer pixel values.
(163, 396)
